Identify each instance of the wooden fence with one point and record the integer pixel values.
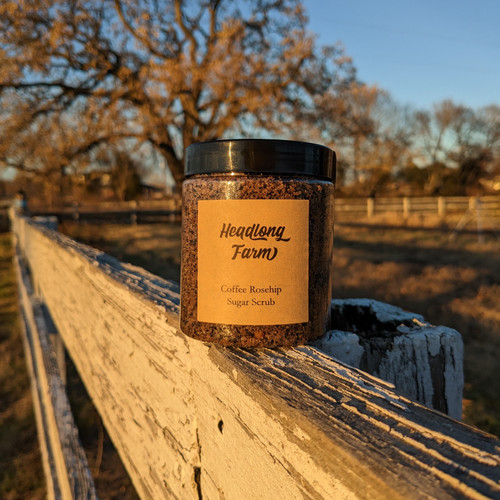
(193, 420)
(405, 207)
(484, 209)
(127, 212)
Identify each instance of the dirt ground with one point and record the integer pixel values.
(451, 278)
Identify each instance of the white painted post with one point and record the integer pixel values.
(406, 207)
(441, 206)
(423, 361)
(473, 204)
(76, 214)
(133, 212)
(370, 207)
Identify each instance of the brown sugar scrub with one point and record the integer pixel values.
(257, 240)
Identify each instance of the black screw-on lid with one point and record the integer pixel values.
(260, 156)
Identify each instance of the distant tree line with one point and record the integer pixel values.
(124, 86)
(449, 150)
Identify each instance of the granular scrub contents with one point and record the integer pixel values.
(257, 239)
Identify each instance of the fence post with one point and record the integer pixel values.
(133, 212)
(473, 202)
(406, 207)
(370, 207)
(476, 210)
(441, 206)
(76, 215)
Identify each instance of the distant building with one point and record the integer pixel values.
(151, 191)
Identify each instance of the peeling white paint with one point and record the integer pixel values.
(407, 361)
(341, 345)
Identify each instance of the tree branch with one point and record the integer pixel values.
(145, 41)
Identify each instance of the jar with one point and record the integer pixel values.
(257, 239)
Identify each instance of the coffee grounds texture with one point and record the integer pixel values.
(253, 187)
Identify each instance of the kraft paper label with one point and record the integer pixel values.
(253, 261)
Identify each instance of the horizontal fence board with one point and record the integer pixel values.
(192, 420)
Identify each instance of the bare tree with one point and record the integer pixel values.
(489, 122)
(371, 133)
(165, 72)
(459, 145)
(450, 133)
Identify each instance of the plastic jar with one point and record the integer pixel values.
(257, 239)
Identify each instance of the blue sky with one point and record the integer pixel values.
(421, 51)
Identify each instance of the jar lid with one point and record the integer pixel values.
(260, 156)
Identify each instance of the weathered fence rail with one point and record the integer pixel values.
(192, 420)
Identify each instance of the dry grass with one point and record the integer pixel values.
(155, 247)
(451, 279)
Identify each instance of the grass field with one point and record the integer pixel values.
(452, 282)
(451, 279)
